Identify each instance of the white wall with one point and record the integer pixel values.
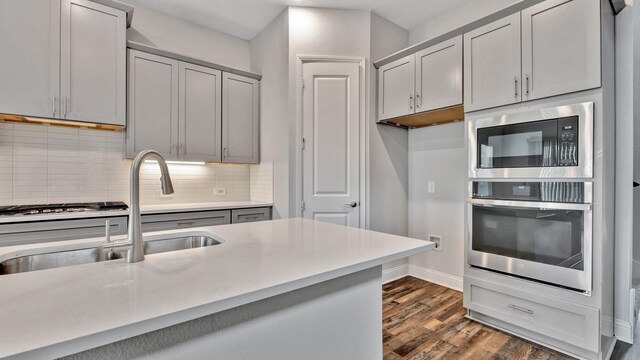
(168, 33)
(473, 10)
(438, 154)
(270, 57)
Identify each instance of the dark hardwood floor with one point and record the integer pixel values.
(422, 320)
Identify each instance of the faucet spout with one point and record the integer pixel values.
(135, 224)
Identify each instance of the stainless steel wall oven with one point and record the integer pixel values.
(539, 230)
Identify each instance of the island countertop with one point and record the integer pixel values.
(57, 312)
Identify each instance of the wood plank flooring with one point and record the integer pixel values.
(422, 320)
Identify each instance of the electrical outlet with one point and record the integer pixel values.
(220, 191)
(431, 187)
(437, 239)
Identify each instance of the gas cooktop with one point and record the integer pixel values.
(61, 208)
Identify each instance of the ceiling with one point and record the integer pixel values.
(246, 18)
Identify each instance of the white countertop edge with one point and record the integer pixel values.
(134, 329)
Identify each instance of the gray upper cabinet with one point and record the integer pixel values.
(29, 68)
(439, 76)
(492, 69)
(396, 88)
(153, 104)
(93, 62)
(67, 60)
(560, 47)
(240, 119)
(200, 115)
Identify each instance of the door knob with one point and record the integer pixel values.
(352, 204)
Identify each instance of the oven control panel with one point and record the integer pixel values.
(568, 141)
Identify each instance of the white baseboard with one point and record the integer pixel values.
(623, 332)
(436, 277)
(395, 273)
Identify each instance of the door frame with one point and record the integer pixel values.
(298, 195)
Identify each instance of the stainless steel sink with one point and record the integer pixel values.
(50, 260)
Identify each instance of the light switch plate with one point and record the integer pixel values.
(220, 191)
(431, 187)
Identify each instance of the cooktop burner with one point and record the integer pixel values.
(61, 208)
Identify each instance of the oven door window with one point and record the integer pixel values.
(552, 237)
(532, 144)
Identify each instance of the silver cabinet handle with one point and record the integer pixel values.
(418, 103)
(65, 107)
(225, 153)
(410, 101)
(180, 151)
(526, 80)
(352, 204)
(521, 309)
(53, 104)
(107, 231)
(516, 87)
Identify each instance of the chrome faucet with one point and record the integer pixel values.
(135, 228)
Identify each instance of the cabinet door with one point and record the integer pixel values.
(153, 105)
(29, 65)
(240, 119)
(93, 62)
(396, 88)
(200, 113)
(492, 70)
(439, 75)
(560, 47)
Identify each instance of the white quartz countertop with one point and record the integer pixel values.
(52, 313)
(145, 209)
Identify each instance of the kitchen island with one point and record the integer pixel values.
(283, 289)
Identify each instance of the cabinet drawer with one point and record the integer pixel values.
(159, 222)
(59, 230)
(250, 215)
(572, 323)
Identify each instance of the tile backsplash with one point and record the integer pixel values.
(53, 164)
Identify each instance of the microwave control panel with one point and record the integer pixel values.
(568, 141)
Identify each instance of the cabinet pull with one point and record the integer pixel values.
(53, 104)
(183, 223)
(410, 102)
(418, 103)
(180, 151)
(225, 153)
(526, 80)
(65, 108)
(521, 309)
(516, 87)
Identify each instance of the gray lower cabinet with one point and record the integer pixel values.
(159, 222)
(250, 215)
(25, 233)
(550, 317)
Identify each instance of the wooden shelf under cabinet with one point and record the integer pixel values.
(430, 118)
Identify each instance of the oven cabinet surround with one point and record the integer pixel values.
(67, 60)
(427, 80)
(576, 323)
(283, 289)
(190, 112)
(548, 49)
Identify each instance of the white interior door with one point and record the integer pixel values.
(331, 111)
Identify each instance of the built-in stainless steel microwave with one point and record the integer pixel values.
(548, 143)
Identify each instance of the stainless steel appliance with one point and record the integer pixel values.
(549, 143)
(18, 210)
(539, 230)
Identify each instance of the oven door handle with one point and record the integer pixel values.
(530, 204)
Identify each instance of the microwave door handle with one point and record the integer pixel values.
(529, 204)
